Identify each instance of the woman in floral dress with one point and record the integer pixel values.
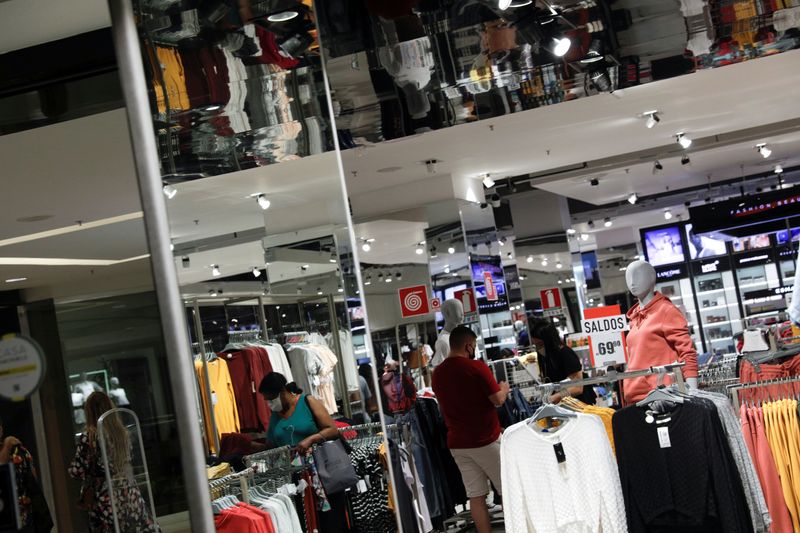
(133, 514)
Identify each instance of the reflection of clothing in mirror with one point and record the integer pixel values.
(442, 348)
(119, 397)
(86, 388)
(132, 511)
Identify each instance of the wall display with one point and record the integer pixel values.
(787, 236)
(663, 245)
(22, 367)
(485, 267)
(702, 246)
(717, 301)
(753, 242)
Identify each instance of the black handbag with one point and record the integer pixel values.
(336, 472)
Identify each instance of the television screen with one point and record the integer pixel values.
(664, 246)
(786, 236)
(754, 242)
(702, 246)
(591, 274)
(494, 265)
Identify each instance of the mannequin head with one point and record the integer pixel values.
(519, 326)
(84, 377)
(453, 311)
(115, 382)
(641, 279)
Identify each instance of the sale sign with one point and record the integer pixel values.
(606, 329)
(414, 301)
(488, 285)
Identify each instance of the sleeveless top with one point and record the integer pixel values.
(290, 431)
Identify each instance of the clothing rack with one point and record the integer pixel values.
(244, 335)
(735, 388)
(546, 389)
(241, 480)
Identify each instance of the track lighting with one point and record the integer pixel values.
(683, 140)
(607, 222)
(601, 80)
(657, 166)
(764, 150)
(215, 271)
(451, 250)
(778, 169)
(560, 46)
(488, 182)
(584, 236)
(652, 119)
(685, 160)
(185, 261)
(256, 272)
(667, 215)
(529, 259)
(263, 202)
(595, 52)
(633, 198)
(571, 231)
(169, 191)
(495, 201)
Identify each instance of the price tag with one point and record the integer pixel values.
(663, 437)
(558, 448)
(213, 398)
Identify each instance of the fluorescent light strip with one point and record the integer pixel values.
(60, 261)
(71, 229)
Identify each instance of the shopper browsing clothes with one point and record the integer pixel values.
(301, 421)
(558, 362)
(469, 396)
(133, 514)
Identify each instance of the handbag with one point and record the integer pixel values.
(336, 472)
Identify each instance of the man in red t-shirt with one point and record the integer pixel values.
(469, 397)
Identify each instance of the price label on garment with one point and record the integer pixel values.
(663, 438)
(605, 327)
(22, 367)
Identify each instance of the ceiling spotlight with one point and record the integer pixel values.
(652, 119)
(685, 160)
(185, 261)
(510, 255)
(263, 202)
(368, 281)
(169, 191)
(584, 236)
(419, 250)
(544, 261)
(633, 198)
(657, 166)
(529, 259)
(339, 289)
(488, 182)
(366, 246)
(601, 80)
(560, 281)
(503, 4)
(215, 271)
(304, 267)
(299, 289)
(778, 169)
(561, 46)
(590, 224)
(283, 16)
(256, 272)
(433, 253)
(607, 222)
(594, 182)
(213, 293)
(399, 276)
(572, 231)
(319, 291)
(388, 278)
(764, 150)
(683, 140)
(595, 52)
(447, 269)
(451, 250)
(559, 265)
(333, 259)
(667, 215)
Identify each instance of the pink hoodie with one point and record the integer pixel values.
(659, 335)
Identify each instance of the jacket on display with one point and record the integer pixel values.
(659, 335)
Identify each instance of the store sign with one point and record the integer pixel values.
(9, 501)
(671, 273)
(488, 284)
(768, 293)
(707, 268)
(436, 305)
(414, 301)
(606, 329)
(22, 367)
(745, 211)
(467, 298)
(757, 258)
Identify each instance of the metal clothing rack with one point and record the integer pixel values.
(240, 480)
(546, 389)
(735, 388)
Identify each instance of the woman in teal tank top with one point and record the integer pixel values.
(297, 419)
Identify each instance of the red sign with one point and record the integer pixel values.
(467, 297)
(436, 304)
(488, 285)
(551, 299)
(414, 301)
(606, 329)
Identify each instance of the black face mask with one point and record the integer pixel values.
(471, 354)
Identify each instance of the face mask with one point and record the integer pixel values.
(471, 354)
(276, 405)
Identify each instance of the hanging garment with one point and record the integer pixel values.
(781, 437)
(348, 357)
(279, 361)
(605, 414)
(223, 399)
(677, 471)
(370, 500)
(757, 444)
(577, 492)
(247, 369)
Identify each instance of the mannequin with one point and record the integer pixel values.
(658, 335)
(523, 339)
(117, 394)
(86, 386)
(453, 311)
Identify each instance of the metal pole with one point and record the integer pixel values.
(165, 279)
(262, 318)
(198, 329)
(339, 369)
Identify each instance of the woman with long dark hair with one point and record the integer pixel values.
(133, 514)
(558, 362)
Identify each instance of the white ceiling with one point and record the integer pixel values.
(26, 23)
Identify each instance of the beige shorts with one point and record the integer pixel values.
(478, 466)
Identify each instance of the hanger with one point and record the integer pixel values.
(550, 410)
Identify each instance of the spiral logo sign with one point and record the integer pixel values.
(414, 301)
